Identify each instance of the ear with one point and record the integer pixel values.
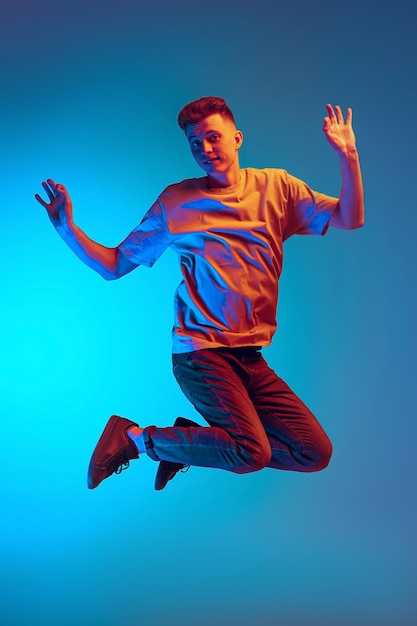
(238, 139)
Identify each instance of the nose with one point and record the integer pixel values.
(206, 147)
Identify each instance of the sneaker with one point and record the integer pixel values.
(113, 452)
(168, 469)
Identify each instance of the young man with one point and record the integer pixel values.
(228, 229)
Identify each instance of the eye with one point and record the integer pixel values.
(195, 144)
(214, 138)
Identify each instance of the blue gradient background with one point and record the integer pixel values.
(90, 94)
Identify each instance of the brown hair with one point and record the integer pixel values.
(195, 111)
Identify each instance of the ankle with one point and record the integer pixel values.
(135, 433)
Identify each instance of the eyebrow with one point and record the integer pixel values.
(207, 132)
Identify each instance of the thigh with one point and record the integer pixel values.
(216, 384)
(296, 437)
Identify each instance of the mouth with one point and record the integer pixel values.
(210, 161)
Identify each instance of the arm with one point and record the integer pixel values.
(110, 263)
(349, 213)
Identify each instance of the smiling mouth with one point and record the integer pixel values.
(210, 161)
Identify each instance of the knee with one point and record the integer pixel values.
(255, 459)
(321, 456)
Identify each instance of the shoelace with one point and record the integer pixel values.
(123, 466)
(119, 461)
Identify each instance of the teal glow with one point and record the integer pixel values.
(91, 91)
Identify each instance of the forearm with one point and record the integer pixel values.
(350, 213)
(110, 263)
(100, 258)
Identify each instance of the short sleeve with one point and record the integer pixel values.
(145, 244)
(308, 211)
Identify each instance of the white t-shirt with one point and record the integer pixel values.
(229, 243)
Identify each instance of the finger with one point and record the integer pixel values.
(349, 116)
(47, 187)
(61, 190)
(339, 115)
(330, 111)
(42, 202)
(57, 188)
(52, 185)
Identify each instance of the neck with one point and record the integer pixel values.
(226, 179)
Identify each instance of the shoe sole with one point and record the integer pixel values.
(169, 468)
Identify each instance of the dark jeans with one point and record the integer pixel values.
(255, 420)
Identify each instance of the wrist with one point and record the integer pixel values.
(65, 227)
(349, 153)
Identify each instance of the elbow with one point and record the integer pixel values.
(117, 272)
(108, 277)
(360, 219)
(353, 222)
(115, 267)
(107, 273)
(360, 215)
(358, 224)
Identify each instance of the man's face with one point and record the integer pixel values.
(214, 143)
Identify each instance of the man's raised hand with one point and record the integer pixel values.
(59, 207)
(339, 133)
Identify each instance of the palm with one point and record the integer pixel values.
(59, 207)
(339, 133)
(56, 208)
